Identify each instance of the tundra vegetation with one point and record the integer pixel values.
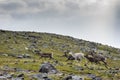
(23, 53)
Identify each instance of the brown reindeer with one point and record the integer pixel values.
(91, 59)
(96, 58)
(99, 57)
(46, 55)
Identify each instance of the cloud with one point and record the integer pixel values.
(117, 15)
(9, 6)
(57, 8)
(90, 19)
(92, 12)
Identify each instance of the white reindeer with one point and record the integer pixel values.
(77, 56)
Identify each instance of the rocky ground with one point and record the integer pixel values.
(20, 59)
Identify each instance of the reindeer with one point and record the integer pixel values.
(70, 57)
(73, 56)
(99, 57)
(46, 55)
(77, 56)
(96, 58)
(91, 59)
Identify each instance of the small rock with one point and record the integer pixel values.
(48, 68)
(21, 75)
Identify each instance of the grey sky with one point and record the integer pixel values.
(93, 20)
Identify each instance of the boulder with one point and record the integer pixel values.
(47, 68)
(21, 75)
(3, 78)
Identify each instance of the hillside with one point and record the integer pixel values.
(14, 43)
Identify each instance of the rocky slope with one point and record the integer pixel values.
(18, 50)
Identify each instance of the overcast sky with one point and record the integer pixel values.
(93, 20)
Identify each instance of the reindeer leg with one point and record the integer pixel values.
(86, 64)
(105, 64)
(79, 60)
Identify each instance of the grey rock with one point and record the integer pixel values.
(97, 78)
(3, 78)
(91, 75)
(20, 75)
(73, 77)
(41, 77)
(17, 78)
(77, 78)
(47, 68)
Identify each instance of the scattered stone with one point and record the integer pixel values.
(21, 75)
(97, 78)
(26, 55)
(77, 78)
(40, 77)
(48, 68)
(91, 75)
(68, 77)
(94, 77)
(73, 77)
(17, 78)
(20, 56)
(2, 78)
(5, 76)
(79, 68)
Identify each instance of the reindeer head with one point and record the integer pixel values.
(70, 53)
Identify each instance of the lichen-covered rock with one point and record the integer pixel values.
(47, 68)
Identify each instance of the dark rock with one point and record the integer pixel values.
(37, 76)
(97, 78)
(46, 78)
(47, 68)
(21, 75)
(37, 51)
(41, 77)
(91, 75)
(26, 55)
(68, 77)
